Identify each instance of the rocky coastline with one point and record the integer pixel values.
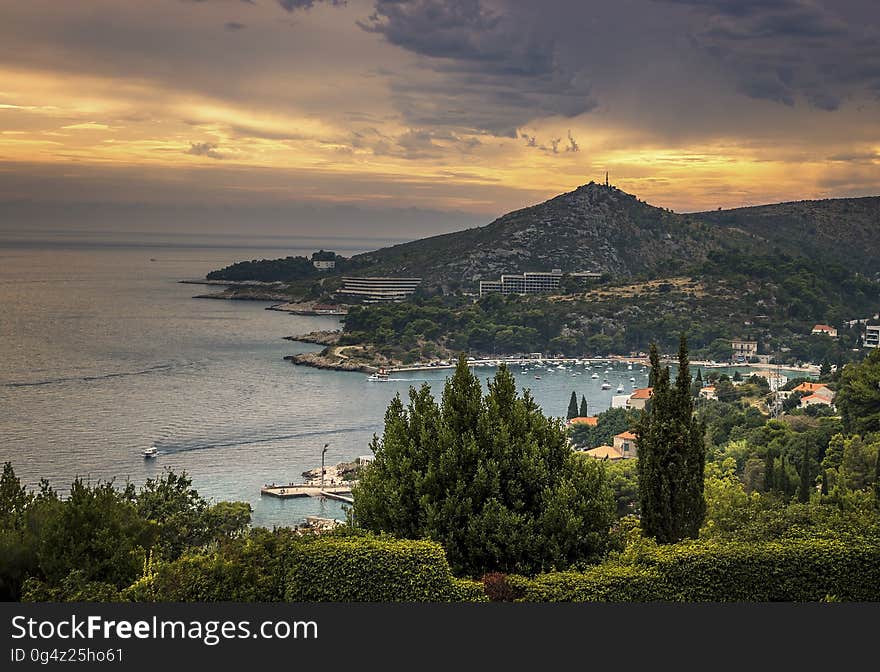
(330, 362)
(317, 337)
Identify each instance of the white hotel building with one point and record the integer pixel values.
(529, 282)
(376, 290)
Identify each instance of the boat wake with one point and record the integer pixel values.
(171, 446)
(158, 368)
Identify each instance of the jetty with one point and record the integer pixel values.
(293, 490)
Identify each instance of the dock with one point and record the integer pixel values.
(307, 490)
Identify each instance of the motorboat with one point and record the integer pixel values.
(620, 388)
(632, 379)
(606, 385)
(150, 452)
(595, 375)
(379, 376)
(630, 367)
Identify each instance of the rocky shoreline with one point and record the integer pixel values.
(317, 337)
(333, 363)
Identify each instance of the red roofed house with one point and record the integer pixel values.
(591, 421)
(708, 392)
(815, 400)
(625, 442)
(639, 398)
(811, 388)
(824, 329)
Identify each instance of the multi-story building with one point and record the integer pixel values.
(374, 290)
(530, 282)
(872, 336)
(743, 350)
(324, 260)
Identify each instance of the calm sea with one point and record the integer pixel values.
(103, 353)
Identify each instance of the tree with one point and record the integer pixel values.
(806, 475)
(671, 456)
(859, 396)
(583, 411)
(572, 406)
(490, 478)
(859, 463)
(825, 369)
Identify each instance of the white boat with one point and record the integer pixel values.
(632, 379)
(606, 385)
(620, 388)
(629, 368)
(150, 452)
(379, 376)
(595, 375)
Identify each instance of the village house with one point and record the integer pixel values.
(815, 400)
(589, 421)
(625, 443)
(708, 392)
(824, 329)
(639, 398)
(815, 394)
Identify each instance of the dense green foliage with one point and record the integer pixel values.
(859, 397)
(280, 566)
(794, 571)
(671, 456)
(98, 538)
(490, 478)
(781, 298)
(289, 269)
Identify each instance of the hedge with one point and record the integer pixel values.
(372, 570)
(790, 571)
(279, 567)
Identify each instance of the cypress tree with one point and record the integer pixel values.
(805, 475)
(572, 406)
(583, 409)
(824, 482)
(877, 480)
(671, 456)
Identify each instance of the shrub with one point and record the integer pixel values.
(279, 566)
(698, 571)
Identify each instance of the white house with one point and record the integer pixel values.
(824, 329)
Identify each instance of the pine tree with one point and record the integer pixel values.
(671, 456)
(572, 406)
(489, 477)
(825, 369)
(583, 409)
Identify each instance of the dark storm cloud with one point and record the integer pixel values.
(783, 50)
(293, 5)
(498, 71)
(208, 149)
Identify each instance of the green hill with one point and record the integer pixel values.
(845, 230)
(593, 228)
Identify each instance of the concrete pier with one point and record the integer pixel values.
(306, 490)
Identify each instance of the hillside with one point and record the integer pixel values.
(593, 228)
(845, 230)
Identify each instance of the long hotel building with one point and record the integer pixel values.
(375, 290)
(530, 282)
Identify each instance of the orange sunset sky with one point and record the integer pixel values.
(473, 107)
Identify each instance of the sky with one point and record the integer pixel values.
(407, 117)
